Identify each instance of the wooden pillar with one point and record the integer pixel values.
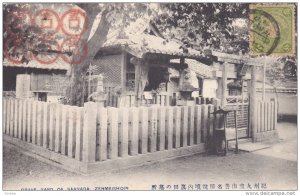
(253, 105)
(224, 83)
(123, 70)
(137, 68)
(219, 89)
(181, 74)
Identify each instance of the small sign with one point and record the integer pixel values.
(231, 107)
(148, 95)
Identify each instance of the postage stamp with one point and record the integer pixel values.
(150, 96)
(272, 28)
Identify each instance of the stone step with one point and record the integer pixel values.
(231, 143)
(247, 145)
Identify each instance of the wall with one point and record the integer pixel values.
(23, 86)
(111, 67)
(56, 83)
(40, 80)
(209, 88)
(9, 78)
(287, 102)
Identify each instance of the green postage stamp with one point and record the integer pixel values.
(272, 29)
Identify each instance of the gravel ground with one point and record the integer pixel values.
(21, 171)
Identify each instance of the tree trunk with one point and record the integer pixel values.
(75, 92)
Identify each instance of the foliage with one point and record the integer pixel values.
(282, 71)
(206, 25)
(289, 66)
(21, 36)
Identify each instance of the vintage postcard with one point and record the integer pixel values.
(150, 96)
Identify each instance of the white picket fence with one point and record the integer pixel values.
(93, 134)
(122, 132)
(56, 127)
(266, 116)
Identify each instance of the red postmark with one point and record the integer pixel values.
(17, 20)
(74, 50)
(14, 51)
(74, 22)
(48, 51)
(47, 20)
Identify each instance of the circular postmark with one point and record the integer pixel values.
(16, 21)
(48, 51)
(14, 51)
(74, 50)
(74, 22)
(47, 20)
(265, 32)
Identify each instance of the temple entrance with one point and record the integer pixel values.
(157, 79)
(238, 97)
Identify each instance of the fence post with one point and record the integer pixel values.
(51, 125)
(20, 109)
(4, 115)
(11, 117)
(112, 133)
(184, 121)
(266, 115)
(39, 118)
(169, 128)
(259, 118)
(57, 143)
(191, 123)
(24, 118)
(204, 125)
(211, 119)
(64, 117)
(162, 128)
(143, 133)
(45, 125)
(275, 112)
(253, 108)
(89, 132)
(134, 131)
(29, 120)
(123, 132)
(177, 116)
(272, 115)
(71, 131)
(78, 133)
(198, 124)
(152, 133)
(34, 121)
(15, 122)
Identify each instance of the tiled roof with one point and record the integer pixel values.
(199, 68)
(141, 43)
(59, 64)
(144, 43)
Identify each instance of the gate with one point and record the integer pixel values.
(242, 115)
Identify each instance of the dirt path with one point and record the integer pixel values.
(21, 171)
(287, 147)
